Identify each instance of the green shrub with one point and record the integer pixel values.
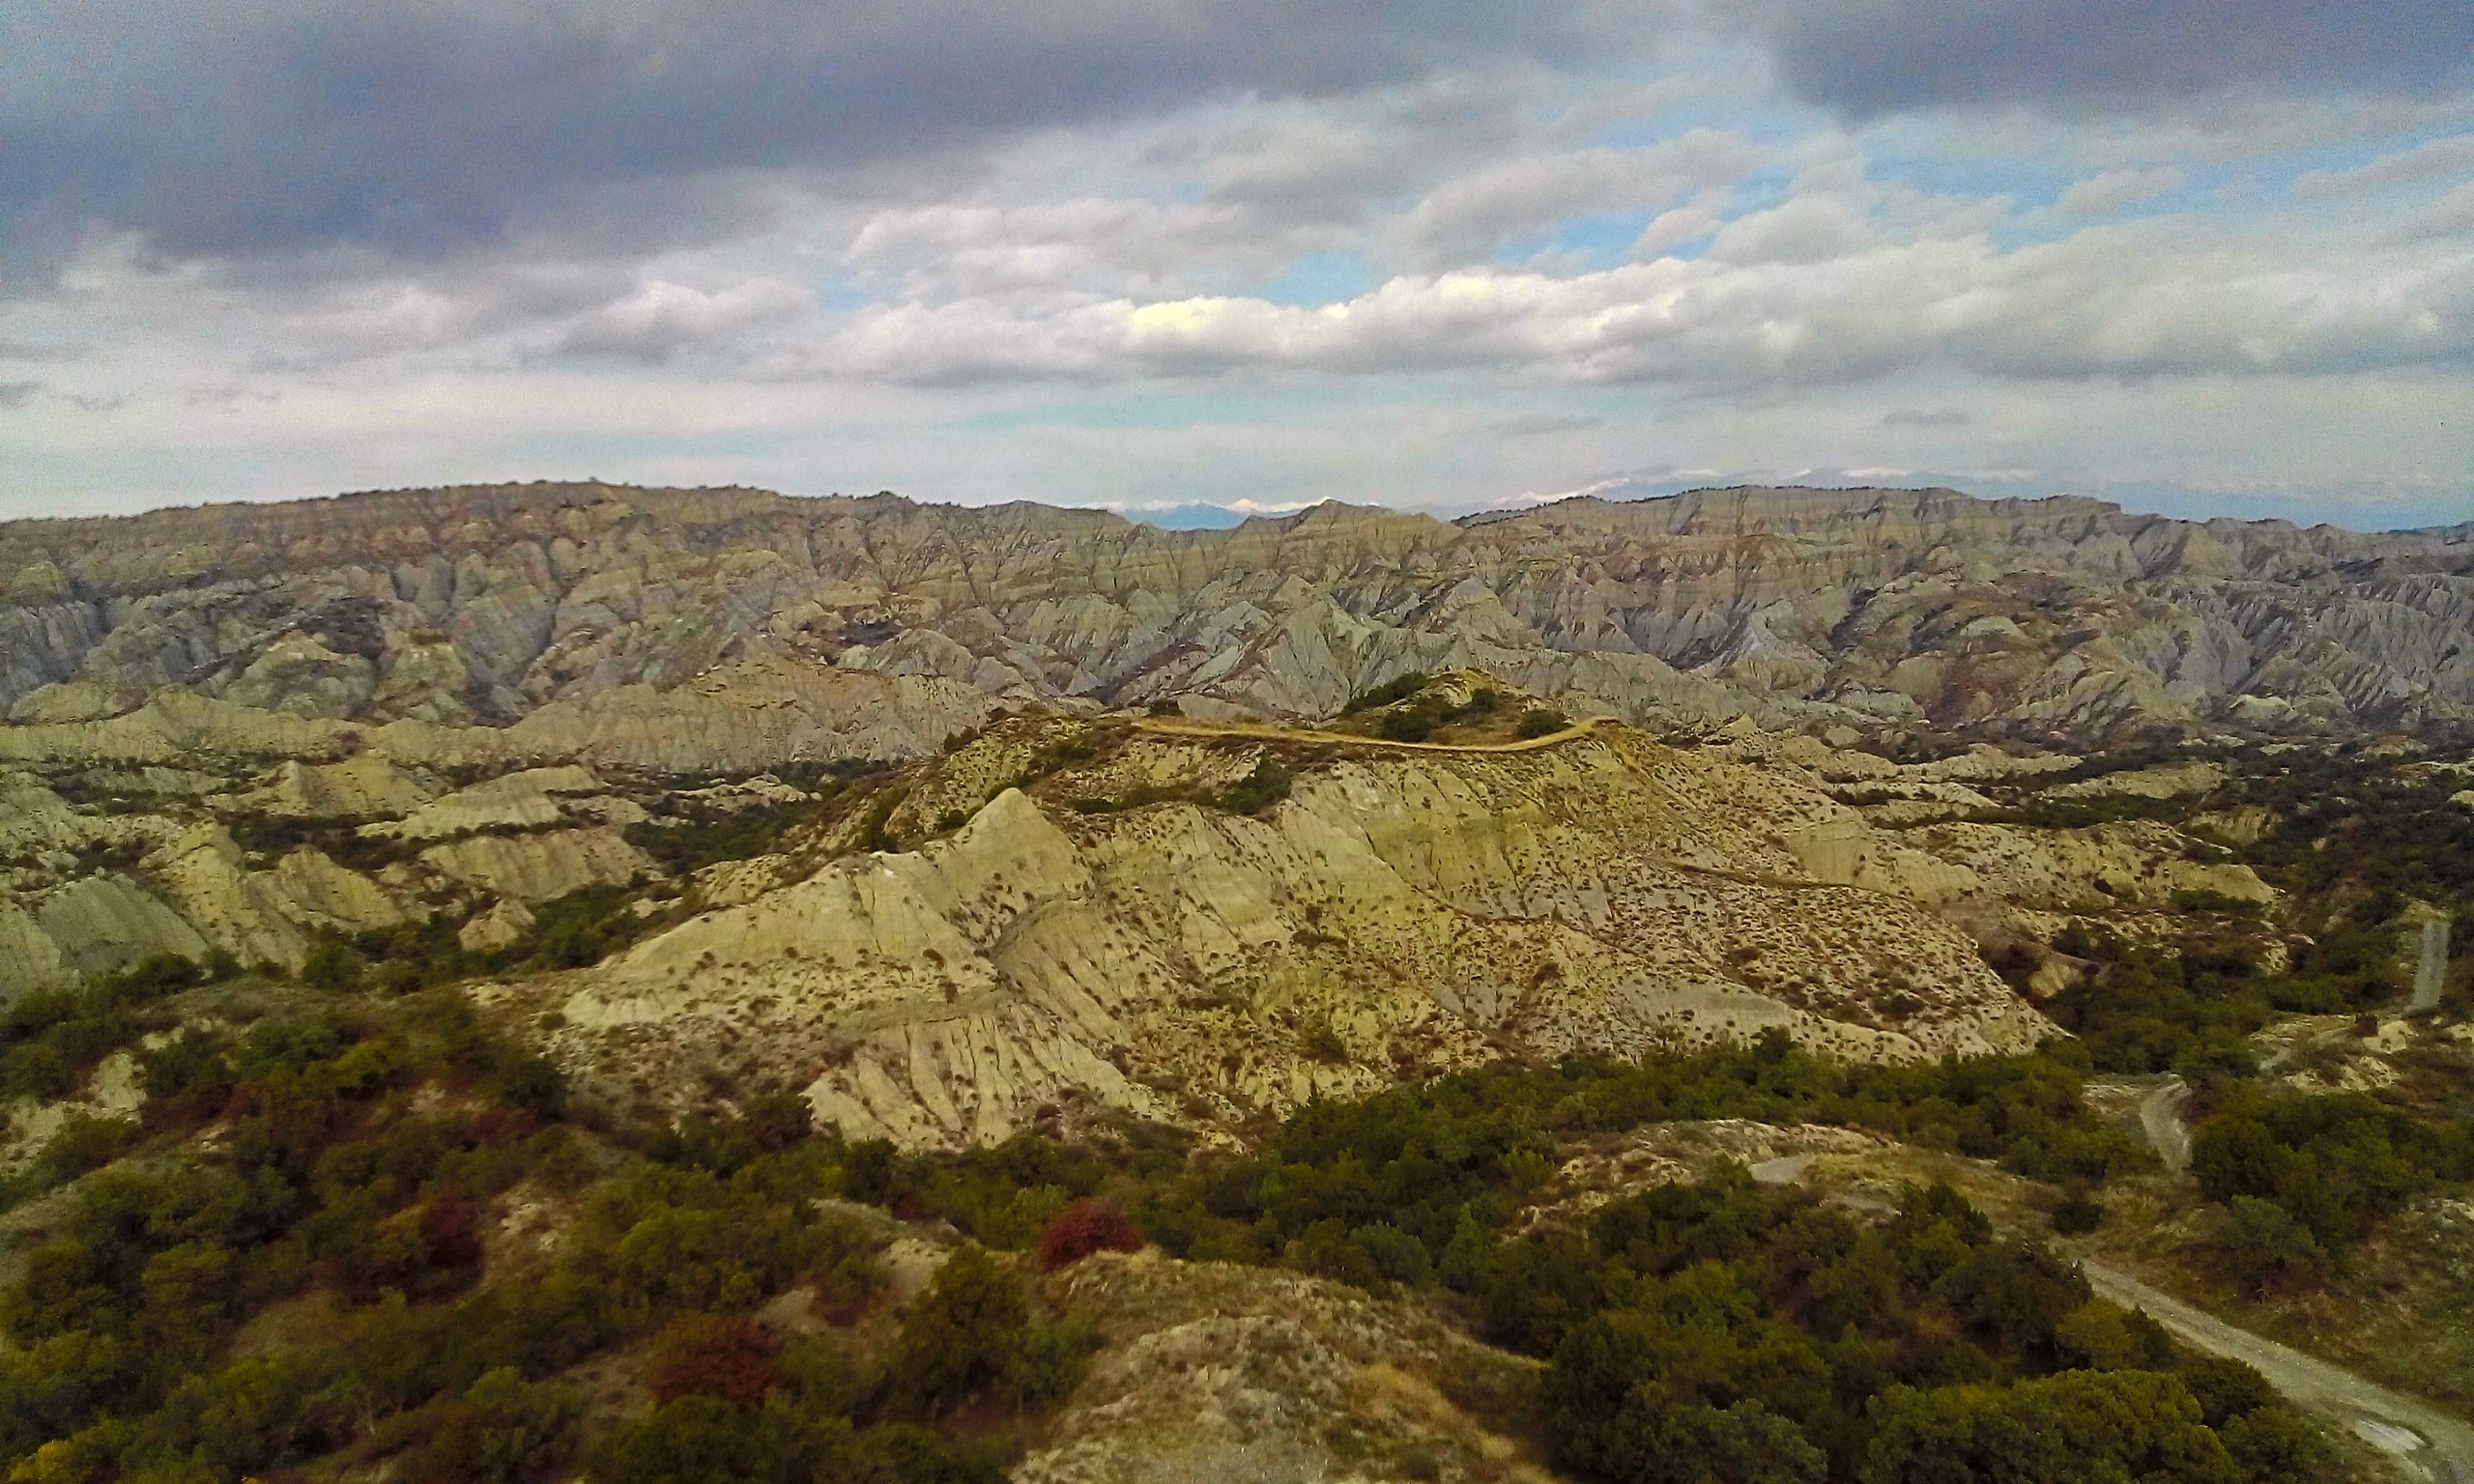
(974, 1333)
(1259, 790)
(2078, 1212)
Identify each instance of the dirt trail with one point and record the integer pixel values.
(1181, 728)
(2437, 1445)
(2160, 1113)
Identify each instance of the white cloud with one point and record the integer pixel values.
(1770, 304)
(661, 320)
(2113, 190)
(2432, 159)
(1470, 213)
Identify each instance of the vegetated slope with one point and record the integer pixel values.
(362, 1235)
(1910, 609)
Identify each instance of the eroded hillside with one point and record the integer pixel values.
(1898, 609)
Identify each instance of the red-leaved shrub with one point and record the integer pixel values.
(729, 1357)
(1085, 1227)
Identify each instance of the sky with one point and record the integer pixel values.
(2196, 256)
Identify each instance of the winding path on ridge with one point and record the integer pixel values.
(1178, 727)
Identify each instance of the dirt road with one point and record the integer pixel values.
(2427, 1443)
(2424, 1439)
(1179, 726)
(2160, 1114)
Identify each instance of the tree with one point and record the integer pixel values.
(2267, 1247)
(2097, 1426)
(960, 1334)
(503, 1429)
(974, 1333)
(332, 965)
(2237, 1155)
(2078, 1212)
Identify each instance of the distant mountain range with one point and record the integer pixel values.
(1864, 608)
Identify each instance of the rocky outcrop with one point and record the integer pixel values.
(1397, 911)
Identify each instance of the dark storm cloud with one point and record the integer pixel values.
(1873, 57)
(237, 126)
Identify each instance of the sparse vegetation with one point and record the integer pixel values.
(1541, 722)
(1399, 687)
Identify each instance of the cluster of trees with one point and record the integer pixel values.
(2361, 832)
(584, 926)
(51, 1040)
(1377, 1191)
(1392, 692)
(2186, 1006)
(2306, 1176)
(2353, 839)
(1259, 790)
(1721, 1330)
(735, 1401)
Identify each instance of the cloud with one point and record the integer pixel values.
(2113, 190)
(2137, 300)
(1927, 418)
(2432, 159)
(1539, 425)
(1470, 213)
(279, 125)
(1868, 58)
(18, 393)
(967, 247)
(661, 320)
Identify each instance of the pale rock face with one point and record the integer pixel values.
(539, 865)
(2135, 862)
(2161, 782)
(33, 818)
(268, 916)
(367, 786)
(303, 676)
(524, 799)
(1605, 895)
(503, 926)
(29, 960)
(739, 718)
(2244, 825)
(110, 921)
